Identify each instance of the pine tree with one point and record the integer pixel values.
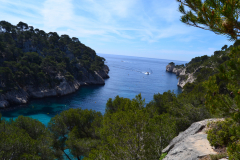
(223, 96)
(219, 16)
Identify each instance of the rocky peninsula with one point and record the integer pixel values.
(180, 71)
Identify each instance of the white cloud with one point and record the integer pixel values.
(15, 11)
(166, 11)
(108, 20)
(121, 8)
(126, 19)
(57, 13)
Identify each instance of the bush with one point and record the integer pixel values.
(225, 134)
(218, 156)
(188, 87)
(219, 135)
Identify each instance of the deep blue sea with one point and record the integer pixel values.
(127, 79)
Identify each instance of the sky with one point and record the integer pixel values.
(142, 28)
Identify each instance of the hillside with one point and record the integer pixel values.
(199, 69)
(35, 64)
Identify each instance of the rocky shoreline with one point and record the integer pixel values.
(23, 94)
(184, 77)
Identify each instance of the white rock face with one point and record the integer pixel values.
(190, 79)
(177, 71)
(191, 144)
(182, 72)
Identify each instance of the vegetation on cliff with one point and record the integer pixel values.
(30, 56)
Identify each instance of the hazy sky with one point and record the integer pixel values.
(143, 28)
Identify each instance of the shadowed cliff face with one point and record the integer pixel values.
(22, 95)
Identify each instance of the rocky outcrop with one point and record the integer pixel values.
(180, 72)
(22, 95)
(177, 71)
(15, 97)
(184, 78)
(170, 67)
(191, 144)
(187, 77)
(63, 88)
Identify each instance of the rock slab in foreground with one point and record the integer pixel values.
(191, 144)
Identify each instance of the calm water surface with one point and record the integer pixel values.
(127, 79)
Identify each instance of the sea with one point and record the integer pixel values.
(128, 78)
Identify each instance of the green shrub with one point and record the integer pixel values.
(163, 155)
(219, 135)
(188, 87)
(226, 134)
(218, 156)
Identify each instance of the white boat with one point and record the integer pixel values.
(147, 73)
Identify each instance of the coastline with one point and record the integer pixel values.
(26, 93)
(183, 77)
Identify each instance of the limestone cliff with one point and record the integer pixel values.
(184, 77)
(23, 94)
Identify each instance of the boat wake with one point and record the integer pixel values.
(147, 73)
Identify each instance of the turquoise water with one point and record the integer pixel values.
(127, 79)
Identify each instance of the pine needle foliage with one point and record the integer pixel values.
(219, 16)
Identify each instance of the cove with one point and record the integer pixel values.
(127, 79)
